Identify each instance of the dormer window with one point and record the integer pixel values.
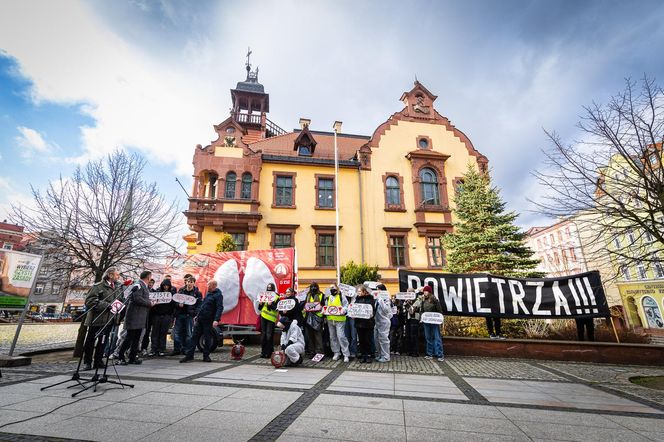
(304, 143)
(304, 151)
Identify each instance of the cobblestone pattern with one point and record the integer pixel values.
(636, 390)
(499, 369)
(10, 377)
(36, 337)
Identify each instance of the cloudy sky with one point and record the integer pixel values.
(79, 79)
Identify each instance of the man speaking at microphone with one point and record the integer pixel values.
(138, 307)
(97, 302)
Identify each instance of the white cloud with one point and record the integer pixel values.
(30, 141)
(11, 195)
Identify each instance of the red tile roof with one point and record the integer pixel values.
(284, 144)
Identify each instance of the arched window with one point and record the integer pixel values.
(393, 192)
(212, 185)
(429, 187)
(245, 193)
(230, 185)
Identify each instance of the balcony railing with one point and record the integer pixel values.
(271, 129)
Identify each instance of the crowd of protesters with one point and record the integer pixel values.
(314, 324)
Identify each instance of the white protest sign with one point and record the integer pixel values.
(302, 294)
(286, 304)
(334, 310)
(360, 311)
(266, 297)
(431, 318)
(406, 296)
(381, 294)
(161, 297)
(184, 299)
(312, 307)
(347, 290)
(117, 306)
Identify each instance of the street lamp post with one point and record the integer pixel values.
(337, 129)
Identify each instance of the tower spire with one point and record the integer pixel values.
(248, 64)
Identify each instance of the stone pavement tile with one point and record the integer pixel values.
(243, 425)
(201, 390)
(433, 395)
(118, 393)
(13, 398)
(86, 428)
(179, 433)
(268, 376)
(294, 438)
(258, 406)
(173, 399)
(266, 395)
(49, 380)
(394, 417)
(558, 417)
(359, 402)
(652, 435)
(644, 424)
(461, 423)
(547, 430)
(501, 384)
(443, 408)
(7, 415)
(34, 389)
(359, 390)
(48, 403)
(123, 411)
(317, 428)
(448, 388)
(437, 435)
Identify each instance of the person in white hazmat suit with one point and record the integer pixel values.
(292, 340)
(382, 329)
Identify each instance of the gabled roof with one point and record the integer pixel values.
(282, 145)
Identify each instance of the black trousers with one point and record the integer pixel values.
(131, 342)
(396, 336)
(145, 343)
(493, 324)
(364, 335)
(205, 329)
(267, 337)
(160, 326)
(589, 325)
(413, 337)
(314, 340)
(95, 345)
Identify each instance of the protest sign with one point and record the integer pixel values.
(161, 297)
(360, 311)
(286, 304)
(184, 299)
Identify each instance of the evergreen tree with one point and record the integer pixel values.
(485, 238)
(226, 243)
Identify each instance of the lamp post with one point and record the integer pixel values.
(337, 129)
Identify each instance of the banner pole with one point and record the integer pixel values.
(25, 308)
(615, 332)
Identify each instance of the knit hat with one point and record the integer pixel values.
(427, 288)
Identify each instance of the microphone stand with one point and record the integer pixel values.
(76, 376)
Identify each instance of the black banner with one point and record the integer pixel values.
(482, 294)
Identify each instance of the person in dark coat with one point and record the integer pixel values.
(98, 319)
(138, 307)
(183, 328)
(294, 314)
(162, 315)
(208, 317)
(268, 312)
(365, 327)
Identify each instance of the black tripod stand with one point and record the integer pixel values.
(96, 379)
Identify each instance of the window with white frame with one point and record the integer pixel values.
(647, 235)
(641, 271)
(616, 242)
(630, 236)
(659, 268)
(624, 271)
(39, 289)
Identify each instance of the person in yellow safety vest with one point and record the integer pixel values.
(336, 324)
(268, 320)
(313, 322)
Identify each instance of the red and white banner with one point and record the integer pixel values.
(242, 276)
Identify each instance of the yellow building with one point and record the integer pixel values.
(270, 188)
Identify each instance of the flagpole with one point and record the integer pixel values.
(337, 128)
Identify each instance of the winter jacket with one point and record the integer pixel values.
(188, 309)
(366, 323)
(165, 309)
(294, 314)
(138, 307)
(431, 305)
(212, 306)
(98, 301)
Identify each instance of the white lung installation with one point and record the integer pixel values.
(257, 276)
(228, 278)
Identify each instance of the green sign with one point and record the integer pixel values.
(8, 301)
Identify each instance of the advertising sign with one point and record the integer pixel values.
(241, 276)
(18, 271)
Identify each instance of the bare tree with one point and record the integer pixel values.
(612, 180)
(104, 215)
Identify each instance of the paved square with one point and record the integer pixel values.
(164, 369)
(397, 384)
(554, 394)
(258, 375)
